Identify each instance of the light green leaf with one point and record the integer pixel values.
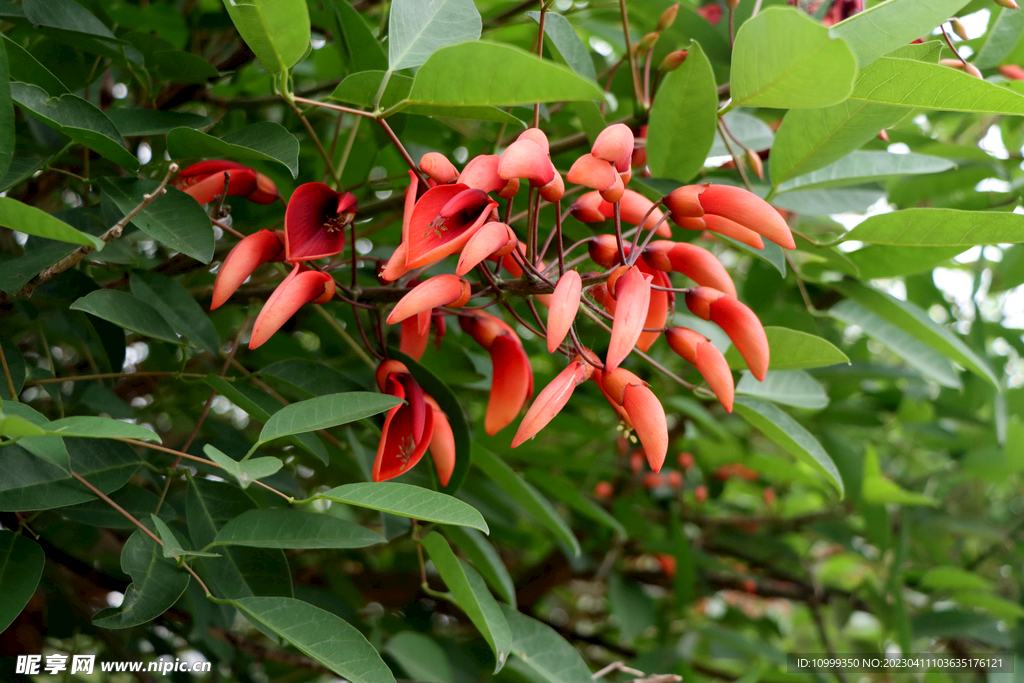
(20, 420)
(878, 489)
(940, 228)
(78, 119)
(173, 547)
(683, 119)
(792, 350)
(750, 130)
(860, 167)
(100, 428)
(21, 566)
(470, 594)
(524, 494)
(33, 221)
(485, 559)
(918, 356)
(997, 606)
(825, 202)
(245, 471)
(135, 122)
(277, 31)
(1001, 39)
(544, 651)
(156, 585)
(568, 492)
(276, 528)
(264, 141)
(422, 658)
(417, 29)
(174, 218)
(124, 310)
(805, 69)
(567, 43)
(489, 74)
(359, 47)
(948, 577)
(875, 262)
(327, 638)
(324, 412)
(788, 387)
(889, 25)
(790, 434)
(178, 308)
(918, 324)
(407, 501)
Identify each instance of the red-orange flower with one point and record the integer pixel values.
(205, 181)
(315, 222)
(731, 211)
(709, 361)
(440, 290)
(512, 377)
(552, 399)
(738, 321)
(562, 307)
(698, 264)
(631, 290)
(640, 409)
(408, 427)
(302, 286)
(244, 258)
(443, 220)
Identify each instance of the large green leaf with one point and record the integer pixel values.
(790, 434)
(136, 122)
(889, 25)
(940, 228)
(422, 658)
(750, 130)
(324, 412)
(788, 387)
(913, 83)
(32, 221)
(78, 119)
(792, 350)
(860, 167)
(786, 60)
(173, 547)
(244, 471)
(327, 638)
(178, 308)
(544, 651)
(470, 594)
(489, 74)
(928, 362)
(359, 48)
(173, 218)
(417, 29)
(309, 378)
(567, 492)
(124, 310)
(683, 118)
(264, 141)
(918, 324)
(485, 559)
(1001, 39)
(524, 494)
(567, 43)
(275, 528)
(6, 114)
(407, 501)
(91, 427)
(27, 69)
(21, 565)
(277, 31)
(877, 261)
(33, 436)
(156, 585)
(31, 483)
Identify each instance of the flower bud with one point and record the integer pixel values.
(647, 42)
(667, 17)
(732, 4)
(958, 28)
(701, 493)
(753, 160)
(1012, 71)
(1008, 4)
(603, 490)
(672, 61)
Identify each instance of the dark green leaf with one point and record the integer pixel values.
(66, 15)
(27, 69)
(6, 114)
(309, 377)
(178, 308)
(21, 565)
(407, 501)
(324, 412)
(136, 122)
(265, 141)
(124, 310)
(359, 47)
(15, 366)
(277, 31)
(543, 650)
(32, 221)
(274, 528)
(416, 29)
(173, 547)
(422, 658)
(485, 559)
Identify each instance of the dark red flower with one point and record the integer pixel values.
(205, 181)
(315, 222)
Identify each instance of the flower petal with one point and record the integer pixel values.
(614, 144)
(511, 383)
(710, 362)
(482, 173)
(245, 257)
(440, 290)
(592, 172)
(749, 210)
(438, 168)
(398, 451)
(551, 400)
(442, 445)
(648, 418)
(562, 308)
(745, 331)
(657, 312)
(493, 238)
(314, 223)
(632, 299)
(526, 159)
(241, 182)
(413, 344)
(432, 236)
(300, 287)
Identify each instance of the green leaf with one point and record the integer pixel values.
(327, 638)
(240, 572)
(788, 387)
(156, 585)
(470, 594)
(407, 501)
(568, 492)
(124, 310)
(420, 657)
(1001, 39)
(178, 66)
(100, 428)
(66, 15)
(683, 119)
(524, 494)
(912, 83)
(790, 434)
(940, 228)
(134, 499)
(544, 651)
(918, 356)
(245, 471)
(792, 350)
(174, 218)
(489, 74)
(275, 528)
(15, 427)
(878, 489)
(825, 202)
(948, 577)
(860, 167)
(997, 606)
(20, 420)
(359, 47)
(561, 34)
(750, 130)
(452, 407)
(265, 141)
(27, 69)
(485, 559)
(903, 20)
(309, 377)
(416, 29)
(31, 483)
(178, 308)
(805, 69)
(631, 607)
(6, 114)
(277, 31)
(875, 262)
(918, 324)
(21, 566)
(173, 547)
(78, 119)
(136, 122)
(324, 412)
(33, 221)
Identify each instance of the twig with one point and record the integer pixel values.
(540, 53)
(111, 375)
(633, 73)
(335, 107)
(7, 375)
(316, 140)
(401, 150)
(739, 164)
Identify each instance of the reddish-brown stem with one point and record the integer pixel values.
(949, 42)
(618, 231)
(636, 237)
(650, 235)
(522, 322)
(227, 228)
(402, 150)
(7, 376)
(540, 53)
(536, 316)
(633, 72)
(335, 107)
(584, 351)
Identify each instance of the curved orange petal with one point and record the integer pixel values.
(493, 238)
(587, 208)
(614, 144)
(444, 219)
(749, 210)
(536, 135)
(551, 400)
(442, 445)
(684, 202)
(249, 254)
(724, 226)
(648, 417)
(632, 208)
(396, 267)
(710, 362)
(440, 290)
(745, 331)
(592, 172)
(413, 343)
(657, 312)
(437, 167)
(615, 192)
(315, 222)
(524, 158)
(399, 450)
(482, 173)
(562, 307)
(698, 264)
(511, 383)
(632, 299)
(554, 190)
(300, 287)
